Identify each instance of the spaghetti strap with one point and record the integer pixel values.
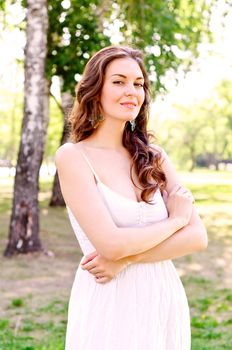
(94, 173)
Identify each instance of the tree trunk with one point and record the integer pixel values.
(24, 224)
(57, 199)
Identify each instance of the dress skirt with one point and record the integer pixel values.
(143, 308)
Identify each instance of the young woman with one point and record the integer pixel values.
(129, 212)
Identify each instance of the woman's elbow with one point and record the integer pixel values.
(113, 251)
(112, 254)
(117, 252)
(202, 238)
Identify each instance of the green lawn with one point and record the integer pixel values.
(35, 289)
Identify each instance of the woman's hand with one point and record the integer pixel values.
(179, 204)
(102, 269)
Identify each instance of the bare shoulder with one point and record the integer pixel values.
(69, 156)
(70, 162)
(65, 150)
(72, 167)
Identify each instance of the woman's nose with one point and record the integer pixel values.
(130, 90)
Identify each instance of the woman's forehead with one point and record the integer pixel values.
(124, 66)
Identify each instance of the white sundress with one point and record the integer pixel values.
(143, 308)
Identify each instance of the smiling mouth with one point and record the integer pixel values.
(129, 105)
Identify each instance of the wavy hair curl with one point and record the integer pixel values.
(146, 160)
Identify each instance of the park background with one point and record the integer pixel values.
(188, 53)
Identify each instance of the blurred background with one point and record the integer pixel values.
(44, 47)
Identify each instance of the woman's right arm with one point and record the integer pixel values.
(82, 197)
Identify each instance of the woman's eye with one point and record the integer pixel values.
(118, 82)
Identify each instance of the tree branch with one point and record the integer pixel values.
(57, 102)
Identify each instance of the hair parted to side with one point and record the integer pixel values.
(145, 159)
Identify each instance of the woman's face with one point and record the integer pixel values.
(122, 93)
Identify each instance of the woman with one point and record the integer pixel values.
(127, 294)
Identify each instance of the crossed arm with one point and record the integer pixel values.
(187, 240)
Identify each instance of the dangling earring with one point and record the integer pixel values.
(133, 124)
(95, 120)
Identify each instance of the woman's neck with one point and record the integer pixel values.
(108, 135)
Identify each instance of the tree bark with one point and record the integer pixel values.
(24, 224)
(57, 199)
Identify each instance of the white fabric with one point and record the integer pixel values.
(143, 308)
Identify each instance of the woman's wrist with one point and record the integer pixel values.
(177, 223)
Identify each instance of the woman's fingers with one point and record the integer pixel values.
(92, 267)
(95, 270)
(188, 194)
(100, 275)
(181, 190)
(102, 279)
(89, 265)
(88, 258)
(175, 189)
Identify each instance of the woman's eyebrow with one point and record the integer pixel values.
(124, 76)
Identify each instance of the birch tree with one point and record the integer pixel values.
(24, 223)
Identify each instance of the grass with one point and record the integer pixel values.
(35, 288)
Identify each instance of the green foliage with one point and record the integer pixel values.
(54, 131)
(229, 297)
(168, 31)
(2, 5)
(10, 127)
(10, 124)
(17, 302)
(201, 129)
(4, 324)
(74, 35)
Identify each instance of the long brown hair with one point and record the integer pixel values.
(145, 159)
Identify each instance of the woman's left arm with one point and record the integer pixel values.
(189, 239)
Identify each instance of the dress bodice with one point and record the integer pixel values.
(125, 212)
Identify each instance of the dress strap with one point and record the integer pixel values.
(95, 174)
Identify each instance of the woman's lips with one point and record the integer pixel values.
(128, 105)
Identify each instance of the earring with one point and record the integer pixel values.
(95, 120)
(133, 124)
